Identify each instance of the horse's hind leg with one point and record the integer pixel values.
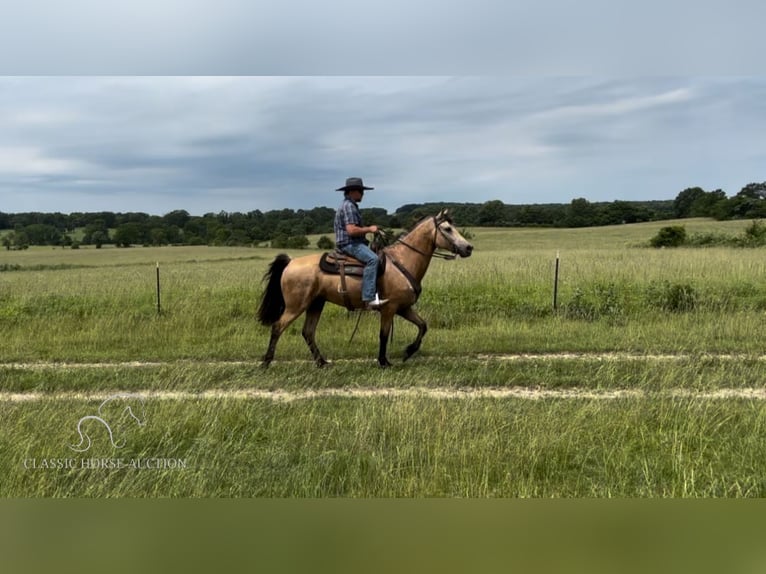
(313, 313)
(288, 316)
(411, 315)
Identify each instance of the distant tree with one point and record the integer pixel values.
(706, 205)
(682, 204)
(492, 214)
(158, 236)
(222, 235)
(619, 212)
(749, 203)
(99, 238)
(20, 240)
(375, 216)
(239, 237)
(128, 234)
(754, 191)
(582, 213)
(96, 228)
(42, 234)
(179, 218)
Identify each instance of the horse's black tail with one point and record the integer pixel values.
(273, 302)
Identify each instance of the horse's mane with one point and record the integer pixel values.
(445, 217)
(387, 238)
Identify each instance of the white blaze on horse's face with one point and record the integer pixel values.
(449, 238)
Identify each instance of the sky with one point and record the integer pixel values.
(236, 106)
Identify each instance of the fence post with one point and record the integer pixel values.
(159, 307)
(556, 285)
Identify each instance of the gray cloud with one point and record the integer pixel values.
(241, 143)
(276, 37)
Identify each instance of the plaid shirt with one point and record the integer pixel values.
(348, 212)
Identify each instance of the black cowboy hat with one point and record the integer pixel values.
(354, 183)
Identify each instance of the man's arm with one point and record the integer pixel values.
(355, 230)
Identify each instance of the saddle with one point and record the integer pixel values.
(338, 263)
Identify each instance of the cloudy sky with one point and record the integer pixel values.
(210, 105)
(203, 144)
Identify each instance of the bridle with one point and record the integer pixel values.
(434, 253)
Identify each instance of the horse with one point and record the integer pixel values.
(295, 286)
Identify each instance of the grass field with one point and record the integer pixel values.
(680, 331)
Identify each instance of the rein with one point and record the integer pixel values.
(414, 283)
(435, 253)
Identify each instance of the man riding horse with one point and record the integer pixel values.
(350, 239)
(304, 285)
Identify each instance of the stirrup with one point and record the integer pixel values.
(375, 304)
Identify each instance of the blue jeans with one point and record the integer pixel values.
(370, 274)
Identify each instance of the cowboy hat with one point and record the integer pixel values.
(353, 183)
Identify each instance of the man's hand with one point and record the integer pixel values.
(356, 231)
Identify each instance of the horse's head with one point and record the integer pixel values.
(448, 237)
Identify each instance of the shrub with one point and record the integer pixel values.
(672, 236)
(672, 297)
(755, 233)
(710, 239)
(604, 301)
(325, 243)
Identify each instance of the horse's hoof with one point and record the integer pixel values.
(323, 363)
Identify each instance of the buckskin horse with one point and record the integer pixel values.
(295, 286)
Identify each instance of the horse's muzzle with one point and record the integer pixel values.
(465, 250)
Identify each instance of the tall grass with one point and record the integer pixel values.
(399, 448)
(615, 296)
(500, 300)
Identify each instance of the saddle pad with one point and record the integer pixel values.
(329, 264)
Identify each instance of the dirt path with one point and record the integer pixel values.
(39, 365)
(282, 395)
(431, 393)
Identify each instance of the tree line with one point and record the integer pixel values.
(289, 228)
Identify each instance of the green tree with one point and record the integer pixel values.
(128, 234)
(99, 238)
(42, 234)
(492, 214)
(158, 236)
(682, 204)
(179, 218)
(582, 213)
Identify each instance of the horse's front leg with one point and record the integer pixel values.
(386, 321)
(411, 315)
